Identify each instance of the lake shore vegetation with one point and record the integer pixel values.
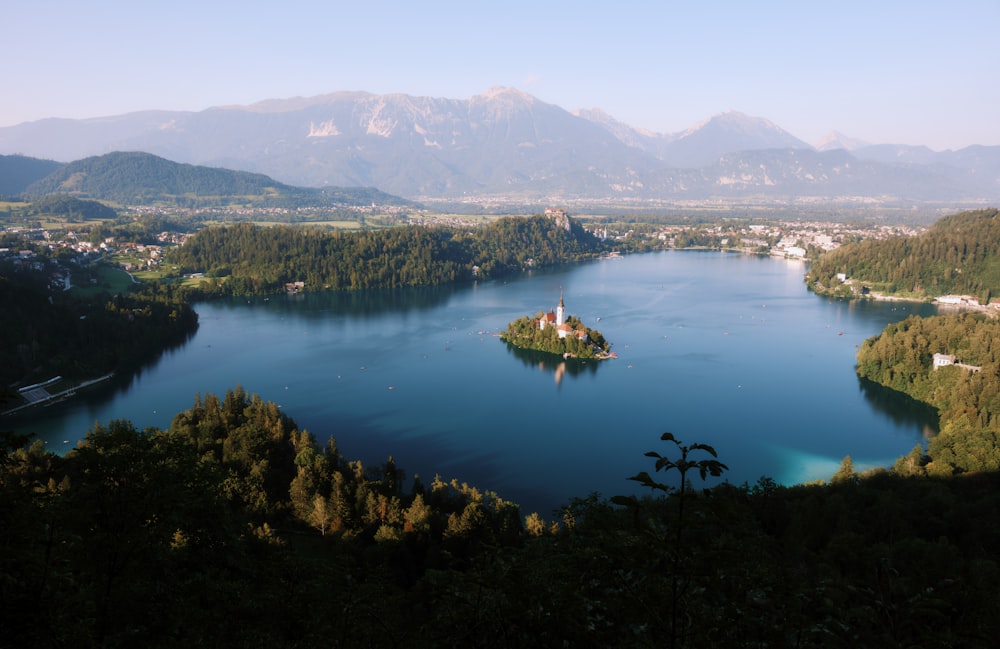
(952, 363)
(233, 527)
(957, 255)
(53, 332)
(245, 259)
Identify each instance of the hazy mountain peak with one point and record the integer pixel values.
(292, 104)
(726, 133)
(501, 91)
(837, 140)
(734, 122)
(593, 114)
(506, 93)
(617, 127)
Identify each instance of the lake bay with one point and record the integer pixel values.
(721, 349)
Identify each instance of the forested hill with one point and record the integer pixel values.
(958, 255)
(70, 208)
(966, 393)
(245, 259)
(134, 178)
(48, 333)
(18, 171)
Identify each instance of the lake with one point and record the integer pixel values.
(721, 349)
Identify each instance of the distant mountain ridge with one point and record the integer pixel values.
(18, 171)
(507, 143)
(837, 140)
(137, 178)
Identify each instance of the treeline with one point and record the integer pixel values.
(958, 255)
(72, 209)
(244, 259)
(967, 399)
(231, 528)
(234, 528)
(144, 229)
(48, 333)
(512, 244)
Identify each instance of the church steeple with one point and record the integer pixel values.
(560, 311)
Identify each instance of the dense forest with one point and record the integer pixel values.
(966, 394)
(234, 528)
(958, 255)
(48, 333)
(73, 210)
(244, 259)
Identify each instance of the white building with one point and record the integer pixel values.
(941, 360)
(557, 319)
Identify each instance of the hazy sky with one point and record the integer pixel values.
(911, 72)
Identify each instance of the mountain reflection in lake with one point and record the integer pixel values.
(720, 349)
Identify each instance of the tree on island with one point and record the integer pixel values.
(565, 336)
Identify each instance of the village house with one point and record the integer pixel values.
(942, 360)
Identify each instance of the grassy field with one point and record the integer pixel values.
(11, 214)
(100, 278)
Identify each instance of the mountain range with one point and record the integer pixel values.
(505, 143)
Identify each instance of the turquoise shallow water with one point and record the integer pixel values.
(721, 349)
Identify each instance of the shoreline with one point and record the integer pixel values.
(45, 398)
(993, 308)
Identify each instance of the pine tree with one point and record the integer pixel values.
(845, 473)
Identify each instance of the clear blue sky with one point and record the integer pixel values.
(911, 72)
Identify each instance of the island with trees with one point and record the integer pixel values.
(556, 333)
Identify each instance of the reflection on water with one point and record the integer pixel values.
(356, 303)
(554, 364)
(901, 408)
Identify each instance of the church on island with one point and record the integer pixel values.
(557, 319)
(557, 332)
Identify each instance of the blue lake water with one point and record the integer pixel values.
(721, 349)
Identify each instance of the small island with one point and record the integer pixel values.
(556, 333)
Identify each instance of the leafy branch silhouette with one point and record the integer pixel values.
(683, 465)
